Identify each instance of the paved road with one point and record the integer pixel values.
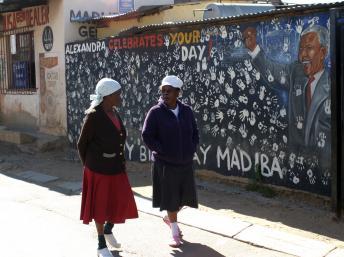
(36, 221)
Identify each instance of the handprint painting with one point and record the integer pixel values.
(260, 92)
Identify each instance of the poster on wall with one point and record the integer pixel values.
(260, 92)
(20, 74)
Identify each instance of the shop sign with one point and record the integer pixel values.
(30, 17)
(47, 38)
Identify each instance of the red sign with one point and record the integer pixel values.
(35, 16)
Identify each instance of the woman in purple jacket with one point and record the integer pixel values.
(170, 132)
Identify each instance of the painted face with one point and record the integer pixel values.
(169, 95)
(114, 99)
(311, 53)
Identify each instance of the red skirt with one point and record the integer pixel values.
(106, 198)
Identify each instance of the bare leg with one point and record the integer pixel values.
(172, 216)
(100, 228)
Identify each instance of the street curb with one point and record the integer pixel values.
(237, 229)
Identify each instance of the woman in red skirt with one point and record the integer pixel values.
(107, 197)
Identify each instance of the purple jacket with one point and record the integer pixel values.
(172, 140)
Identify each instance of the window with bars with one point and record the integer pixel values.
(17, 64)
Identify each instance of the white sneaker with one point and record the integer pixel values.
(111, 240)
(104, 253)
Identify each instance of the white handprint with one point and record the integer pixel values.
(285, 139)
(219, 116)
(223, 99)
(212, 73)
(167, 41)
(299, 26)
(299, 122)
(296, 180)
(270, 77)
(248, 64)
(262, 91)
(243, 99)
(212, 117)
(221, 78)
(327, 107)
(192, 98)
(231, 127)
(244, 115)
(229, 141)
(216, 61)
(286, 43)
(204, 64)
(215, 130)
(252, 119)
(240, 84)
(234, 102)
(223, 132)
(231, 72)
(281, 155)
(243, 131)
(213, 51)
(253, 139)
(223, 31)
(255, 106)
(231, 113)
(275, 147)
(313, 21)
(321, 140)
(247, 77)
(138, 63)
(283, 112)
(283, 79)
(198, 69)
(256, 74)
(237, 43)
(228, 89)
(230, 35)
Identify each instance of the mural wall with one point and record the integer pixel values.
(247, 84)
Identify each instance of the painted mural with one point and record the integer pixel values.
(260, 92)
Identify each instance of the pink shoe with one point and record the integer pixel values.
(167, 222)
(175, 241)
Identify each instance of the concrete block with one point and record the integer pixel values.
(284, 242)
(15, 137)
(37, 177)
(70, 187)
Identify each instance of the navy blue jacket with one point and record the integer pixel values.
(172, 140)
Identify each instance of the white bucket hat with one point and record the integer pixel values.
(105, 86)
(173, 81)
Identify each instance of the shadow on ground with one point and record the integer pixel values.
(223, 199)
(195, 250)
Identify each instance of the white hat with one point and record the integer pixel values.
(172, 81)
(104, 87)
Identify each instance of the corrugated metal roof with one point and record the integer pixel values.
(288, 9)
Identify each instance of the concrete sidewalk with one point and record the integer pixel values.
(250, 233)
(233, 228)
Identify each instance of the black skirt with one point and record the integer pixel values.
(173, 186)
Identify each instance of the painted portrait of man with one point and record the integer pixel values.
(308, 85)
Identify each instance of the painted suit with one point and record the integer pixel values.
(308, 130)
